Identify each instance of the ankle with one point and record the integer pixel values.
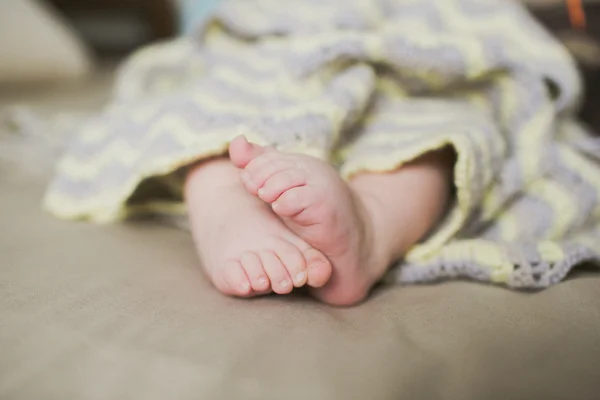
(390, 225)
(375, 236)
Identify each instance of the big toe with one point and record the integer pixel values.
(319, 268)
(241, 152)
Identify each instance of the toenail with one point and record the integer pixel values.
(262, 280)
(275, 206)
(284, 283)
(261, 191)
(300, 277)
(245, 286)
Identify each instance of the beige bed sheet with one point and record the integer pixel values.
(124, 312)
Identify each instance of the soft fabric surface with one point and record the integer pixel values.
(371, 85)
(124, 312)
(37, 45)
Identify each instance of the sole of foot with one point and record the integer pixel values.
(245, 247)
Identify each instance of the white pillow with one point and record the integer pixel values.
(36, 45)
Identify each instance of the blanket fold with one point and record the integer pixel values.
(371, 85)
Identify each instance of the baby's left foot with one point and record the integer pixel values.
(317, 205)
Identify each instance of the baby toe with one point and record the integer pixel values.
(281, 282)
(236, 281)
(280, 182)
(253, 267)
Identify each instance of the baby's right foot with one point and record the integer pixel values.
(245, 248)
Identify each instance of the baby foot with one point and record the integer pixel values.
(316, 204)
(245, 248)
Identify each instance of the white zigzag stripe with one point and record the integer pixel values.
(121, 152)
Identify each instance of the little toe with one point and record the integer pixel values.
(280, 182)
(236, 281)
(281, 282)
(253, 267)
(319, 268)
(294, 262)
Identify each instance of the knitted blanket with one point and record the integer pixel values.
(368, 85)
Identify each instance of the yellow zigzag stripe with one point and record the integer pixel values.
(120, 151)
(109, 205)
(531, 134)
(530, 139)
(563, 205)
(585, 169)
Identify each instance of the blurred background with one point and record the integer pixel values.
(112, 27)
(62, 54)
